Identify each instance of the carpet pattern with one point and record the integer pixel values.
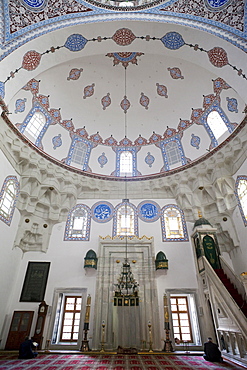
(114, 362)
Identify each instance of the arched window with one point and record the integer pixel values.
(173, 224)
(8, 196)
(241, 194)
(216, 124)
(172, 153)
(35, 125)
(79, 153)
(78, 223)
(125, 220)
(126, 163)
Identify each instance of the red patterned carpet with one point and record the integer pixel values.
(115, 362)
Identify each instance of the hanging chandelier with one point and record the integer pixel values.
(126, 291)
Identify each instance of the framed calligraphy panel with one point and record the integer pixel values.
(34, 286)
(148, 211)
(102, 212)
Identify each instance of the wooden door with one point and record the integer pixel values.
(19, 329)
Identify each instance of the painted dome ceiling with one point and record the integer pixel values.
(144, 87)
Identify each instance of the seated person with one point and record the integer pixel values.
(27, 349)
(212, 352)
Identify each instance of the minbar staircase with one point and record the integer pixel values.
(232, 290)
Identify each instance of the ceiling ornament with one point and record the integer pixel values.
(34, 5)
(125, 104)
(74, 74)
(106, 101)
(144, 100)
(88, 91)
(161, 90)
(232, 105)
(175, 73)
(31, 60)
(218, 57)
(75, 42)
(124, 58)
(123, 37)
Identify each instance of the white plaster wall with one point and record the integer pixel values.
(10, 258)
(67, 265)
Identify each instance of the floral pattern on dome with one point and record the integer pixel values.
(68, 124)
(102, 160)
(111, 141)
(218, 57)
(232, 104)
(125, 104)
(33, 86)
(208, 100)
(124, 57)
(183, 124)
(219, 84)
(20, 105)
(34, 5)
(144, 100)
(195, 141)
(106, 101)
(169, 132)
(88, 91)
(31, 60)
(140, 141)
(172, 40)
(75, 42)
(125, 142)
(175, 73)
(56, 115)
(57, 141)
(161, 90)
(82, 132)
(43, 100)
(149, 159)
(123, 37)
(74, 74)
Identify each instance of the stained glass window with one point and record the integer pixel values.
(9, 194)
(241, 193)
(216, 124)
(126, 163)
(35, 125)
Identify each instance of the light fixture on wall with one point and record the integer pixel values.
(126, 292)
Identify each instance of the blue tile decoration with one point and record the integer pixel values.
(75, 42)
(172, 40)
(148, 211)
(7, 220)
(243, 215)
(57, 141)
(195, 141)
(102, 160)
(217, 4)
(163, 225)
(149, 159)
(102, 211)
(20, 105)
(34, 5)
(2, 89)
(232, 104)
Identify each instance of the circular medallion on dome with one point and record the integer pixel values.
(217, 5)
(102, 212)
(34, 5)
(148, 211)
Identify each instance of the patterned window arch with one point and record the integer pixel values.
(126, 163)
(125, 222)
(173, 224)
(241, 194)
(78, 223)
(36, 124)
(172, 153)
(79, 153)
(8, 197)
(216, 124)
